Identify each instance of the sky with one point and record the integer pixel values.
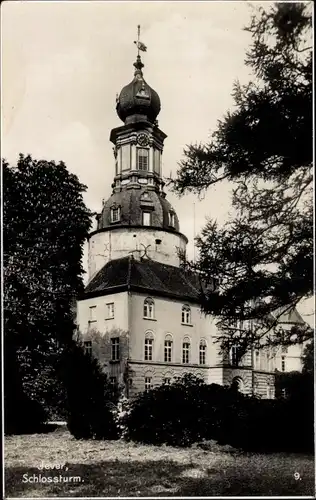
(64, 62)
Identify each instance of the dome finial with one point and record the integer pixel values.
(140, 46)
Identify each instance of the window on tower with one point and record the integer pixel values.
(115, 214)
(171, 219)
(146, 216)
(142, 159)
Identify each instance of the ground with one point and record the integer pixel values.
(116, 468)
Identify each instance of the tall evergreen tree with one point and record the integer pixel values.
(263, 256)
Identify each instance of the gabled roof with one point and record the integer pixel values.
(147, 276)
(289, 316)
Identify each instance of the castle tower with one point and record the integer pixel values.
(140, 313)
(137, 218)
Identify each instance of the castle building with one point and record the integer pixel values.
(140, 314)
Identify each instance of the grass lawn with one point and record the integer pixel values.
(115, 468)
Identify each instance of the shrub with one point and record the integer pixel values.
(89, 396)
(189, 411)
(22, 413)
(176, 414)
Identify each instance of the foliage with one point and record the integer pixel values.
(22, 414)
(45, 223)
(167, 414)
(294, 386)
(189, 411)
(121, 412)
(308, 358)
(89, 395)
(263, 255)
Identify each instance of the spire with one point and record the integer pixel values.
(140, 46)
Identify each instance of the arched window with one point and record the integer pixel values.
(186, 315)
(269, 391)
(186, 344)
(148, 383)
(238, 384)
(167, 378)
(149, 308)
(168, 349)
(149, 342)
(202, 352)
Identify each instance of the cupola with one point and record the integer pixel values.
(138, 101)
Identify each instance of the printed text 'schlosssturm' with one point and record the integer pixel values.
(34, 478)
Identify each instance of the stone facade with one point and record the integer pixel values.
(159, 245)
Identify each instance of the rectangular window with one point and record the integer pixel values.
(115, 345)
(148, 349)
(142, 159)
(185, 352)
(168, 351)
(202, 354)
(171, 219)
(115, 214)
(147, 384)
(234, 355)
(110, 310)
(113, 382)
(92, 317)
(92, 313)
(146, 219)
(283, 363)
(88, 347)
(166, 380)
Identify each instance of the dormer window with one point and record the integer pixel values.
(146, 218)
(171, 219)
(115, 214)
(142, 159)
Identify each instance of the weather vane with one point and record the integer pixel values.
(140, 45)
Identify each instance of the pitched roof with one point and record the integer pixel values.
(289, 316)
(147, 276)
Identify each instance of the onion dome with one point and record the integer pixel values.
(137, 100)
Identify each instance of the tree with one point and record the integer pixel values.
(90, 401)
(308, 358)
(263, 256)
(45, 223)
